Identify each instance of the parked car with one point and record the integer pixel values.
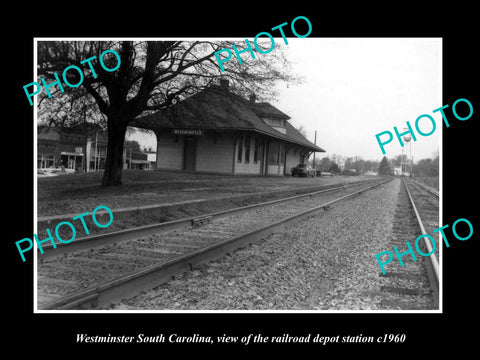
(303, 170)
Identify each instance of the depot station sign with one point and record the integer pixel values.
(195, 132)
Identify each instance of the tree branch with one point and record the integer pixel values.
(102, 105)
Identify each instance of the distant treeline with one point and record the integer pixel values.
(427, 167)
(338, 164)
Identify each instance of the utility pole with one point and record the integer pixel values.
(315, 142)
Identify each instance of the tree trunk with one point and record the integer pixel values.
(114, 162)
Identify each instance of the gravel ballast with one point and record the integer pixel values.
(325, 262)
(75, 194)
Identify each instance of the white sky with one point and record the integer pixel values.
(355, 88)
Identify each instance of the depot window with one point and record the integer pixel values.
(273, 153)
(256, 149)
(247, 149)
(274, 122)
(240, 149)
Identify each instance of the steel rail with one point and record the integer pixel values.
(94, 241)
(157, 208)
(433, 269)
(112, 291)
(425, 187)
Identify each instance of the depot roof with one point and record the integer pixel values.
(217, 108)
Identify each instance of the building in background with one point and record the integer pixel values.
(135, 160)
(214, 131)
(218, 131)
(76, 151)
(151, 158)
(57, 149)
(96, 152)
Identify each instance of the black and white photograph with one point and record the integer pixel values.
(260, 187)
(274, 183)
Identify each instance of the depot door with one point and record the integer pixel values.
(190, 153)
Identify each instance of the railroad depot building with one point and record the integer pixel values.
(218, 131)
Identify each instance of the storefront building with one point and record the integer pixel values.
(56, 149)
(77, 152)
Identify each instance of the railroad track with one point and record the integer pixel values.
(425, 187)
(105, 272)
(137, 216)
(417, 213)
(94, 241)
(425, 203)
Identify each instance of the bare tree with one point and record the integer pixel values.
(301, 129)
(152, 76)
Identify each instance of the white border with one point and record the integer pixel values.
(35, 152)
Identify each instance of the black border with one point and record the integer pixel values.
(429, 332)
